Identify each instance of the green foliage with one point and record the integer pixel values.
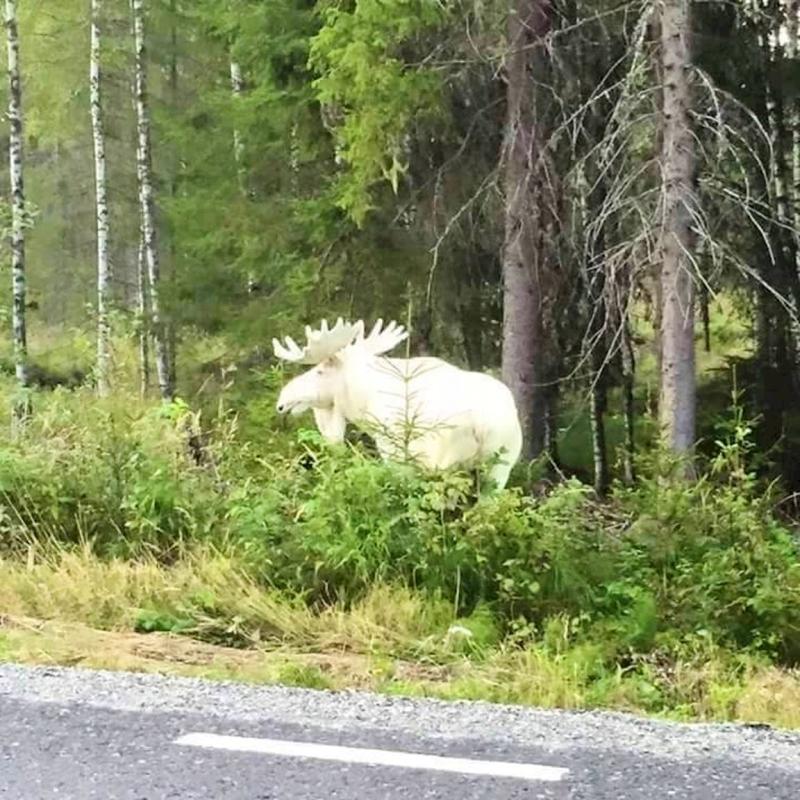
(358, 53)
(657, 566)
(98, 472)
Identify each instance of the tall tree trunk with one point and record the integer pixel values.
(147, 203)
(101, 203)
(22, 406)
(598, 390)
(793, 10)
(792, 114)
(523, 265)
(628, 358)
(705, 318)
(172, 333)
(677, 395)
(597, 408)
(144, 328)
(470, 320)
(237, 87)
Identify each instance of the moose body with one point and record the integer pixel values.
(423, 408)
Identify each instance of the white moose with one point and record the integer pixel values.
(424, 408)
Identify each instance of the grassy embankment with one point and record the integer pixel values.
(120, 551)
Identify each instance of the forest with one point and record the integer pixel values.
(595, 201)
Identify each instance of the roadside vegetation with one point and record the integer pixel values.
(235, 546)
(598, 203)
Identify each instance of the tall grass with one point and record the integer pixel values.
(665, 597)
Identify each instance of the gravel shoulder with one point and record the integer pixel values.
(553, 731)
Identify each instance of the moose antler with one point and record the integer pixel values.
(320, 344)
(381, 340)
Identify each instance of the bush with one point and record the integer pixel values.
(113, 475)
(650, 570)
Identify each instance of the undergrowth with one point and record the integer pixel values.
(666, 597)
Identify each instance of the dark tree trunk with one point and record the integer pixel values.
(471, 313)
(599, 383)
(677, 395)
(704, 316)
(628, 359)
(523, 260)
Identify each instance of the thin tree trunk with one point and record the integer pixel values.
(629, 410)
(172, 333)
(597, 407)
(523, 334)
(550, 440)
(782, 166)
(793, 9)
(470, 319)
(598, 389)
(144, 328)
(677, 395)
(294, 161)
(793, 171)
(785, 279)
(101, 202)
(22, 406)
(705, 318)
(237, 87)
(147, 203)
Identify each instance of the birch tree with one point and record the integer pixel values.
(141, 310)
(677, 390)
(792, 11)
(101, 203)
(147, 203)
(237, 86)
(523, 334)
(22, 408)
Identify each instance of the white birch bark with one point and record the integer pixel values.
(237, 86)
(172, 336)
(141, 309)
(677, 396)
(792, 10)
(101, 204)
(147, 203)
(22, 407)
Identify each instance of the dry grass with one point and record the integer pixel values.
(206, 586)
(771, 695)
(69, 607)
(33, 641)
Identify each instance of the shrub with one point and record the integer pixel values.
(654, 567)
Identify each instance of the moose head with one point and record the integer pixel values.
(339, 378)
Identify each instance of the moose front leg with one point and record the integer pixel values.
(331, 424)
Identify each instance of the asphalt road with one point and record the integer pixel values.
(82, 734)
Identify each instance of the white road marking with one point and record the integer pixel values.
(384, 758)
